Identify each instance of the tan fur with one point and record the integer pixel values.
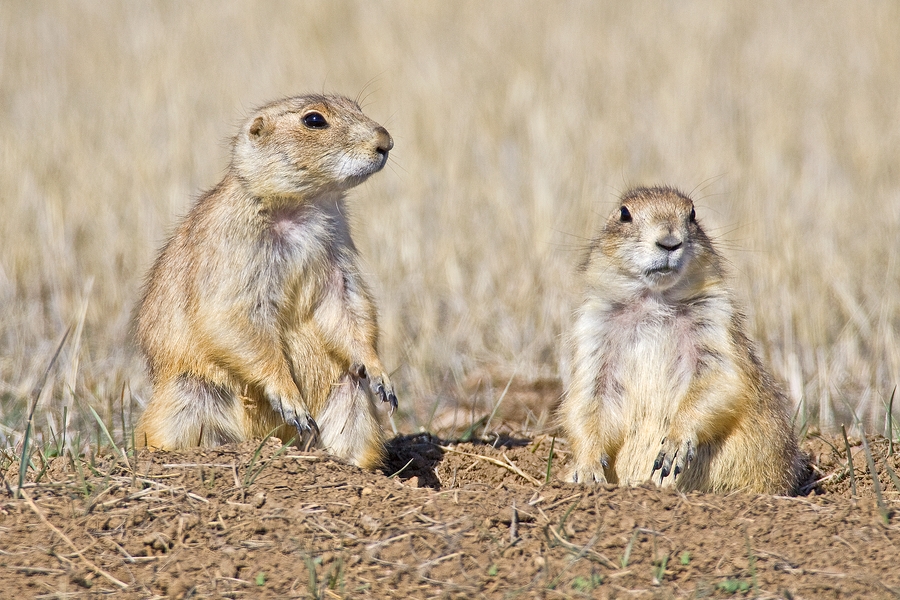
(255, 315)
(657, 352)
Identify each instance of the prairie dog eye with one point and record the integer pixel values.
(314, 120)
(693, 215)
(624, 215)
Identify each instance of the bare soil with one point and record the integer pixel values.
(448, 520)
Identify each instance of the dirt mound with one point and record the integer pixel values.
(443, 520)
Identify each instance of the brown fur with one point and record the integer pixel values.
(255, 315)
(658, 352)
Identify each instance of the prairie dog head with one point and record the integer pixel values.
(652, 241)
(308, 145)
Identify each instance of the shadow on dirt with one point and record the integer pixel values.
(418, 455)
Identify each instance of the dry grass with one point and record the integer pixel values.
(515, 126)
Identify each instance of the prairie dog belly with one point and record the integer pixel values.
(653, 374)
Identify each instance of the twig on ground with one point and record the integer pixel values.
(563, 501)
(520, 472)
(237, 480)
(431, 563)
(586, 551)
(380, 543)
(194, 465)
(69, 543)
(509, 466)
(36, 570)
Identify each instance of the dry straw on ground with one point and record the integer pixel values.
(516, 125)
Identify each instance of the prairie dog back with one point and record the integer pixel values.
(256, 316)
(663, 379)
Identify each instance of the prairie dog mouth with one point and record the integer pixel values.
(662, 276)
(670, 264)
(357, 167)
(660, 270)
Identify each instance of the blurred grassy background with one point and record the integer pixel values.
(516, 126)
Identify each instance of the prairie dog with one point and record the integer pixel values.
(663, 378)
(255, 315)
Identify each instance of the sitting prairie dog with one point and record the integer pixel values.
(662, 375)
(255, 315)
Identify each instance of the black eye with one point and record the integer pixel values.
(693, 215)
(314, 120)
(624, 215)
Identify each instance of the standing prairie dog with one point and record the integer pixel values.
(255, 316)
(662, 374)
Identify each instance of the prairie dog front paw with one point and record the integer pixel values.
(589, 473)
(297, 415)
(677, 453)
(380, 384)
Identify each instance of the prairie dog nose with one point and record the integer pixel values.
(669, 243)
(383, 141)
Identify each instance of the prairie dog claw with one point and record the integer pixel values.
(386, 394)
(674, 457)
(308, 430)
(590, 473)
(381, 385)
(300, 418)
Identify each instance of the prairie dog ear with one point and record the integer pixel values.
(260, 127)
